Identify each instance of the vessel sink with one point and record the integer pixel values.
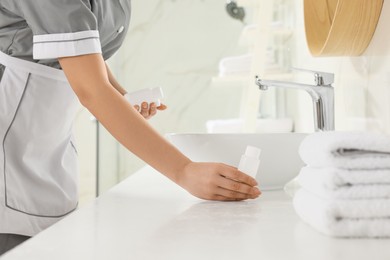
(279, 159)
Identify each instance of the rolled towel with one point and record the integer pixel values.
(344, 218)
(333, 178)
(347, 150)
(327, 184)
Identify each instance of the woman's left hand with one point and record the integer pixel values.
(149, 110)
(217, 181)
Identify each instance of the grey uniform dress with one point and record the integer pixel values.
(38, 183)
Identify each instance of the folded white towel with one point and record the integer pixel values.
(326, 185)
(354, 192)
(348, 150)
(343, 218)
(333, 178)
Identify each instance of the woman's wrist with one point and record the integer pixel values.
(179, 174)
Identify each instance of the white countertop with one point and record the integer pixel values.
(149, 217)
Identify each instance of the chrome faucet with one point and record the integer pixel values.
(322, 94)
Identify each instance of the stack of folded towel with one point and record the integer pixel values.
(345, 184)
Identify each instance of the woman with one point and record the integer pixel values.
(53, 57)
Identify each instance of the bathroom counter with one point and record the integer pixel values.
(148, 217)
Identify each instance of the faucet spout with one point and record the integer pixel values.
(322, 97)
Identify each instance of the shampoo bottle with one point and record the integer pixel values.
(250, 161)
(148, 95)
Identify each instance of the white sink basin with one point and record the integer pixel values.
(279, 157)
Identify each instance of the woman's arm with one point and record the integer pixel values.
(114, 82)
(90, 81)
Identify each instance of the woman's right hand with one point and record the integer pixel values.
(217, 181)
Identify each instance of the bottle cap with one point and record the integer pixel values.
(252, 151)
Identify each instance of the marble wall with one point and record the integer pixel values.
(177, 45)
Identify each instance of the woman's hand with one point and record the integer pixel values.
(149, 110)
(216, 181)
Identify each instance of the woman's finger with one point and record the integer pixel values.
(162, 107)
(235, 174)
(152, 110)
(233, 187)
(235, 195)
(223, 198)
(144, 109)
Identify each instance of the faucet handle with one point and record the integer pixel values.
(320, 78)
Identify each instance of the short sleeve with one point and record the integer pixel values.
(61, 28)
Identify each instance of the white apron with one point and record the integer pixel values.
(38, 159)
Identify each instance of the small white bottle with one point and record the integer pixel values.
(148, 95)
(250, 161)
